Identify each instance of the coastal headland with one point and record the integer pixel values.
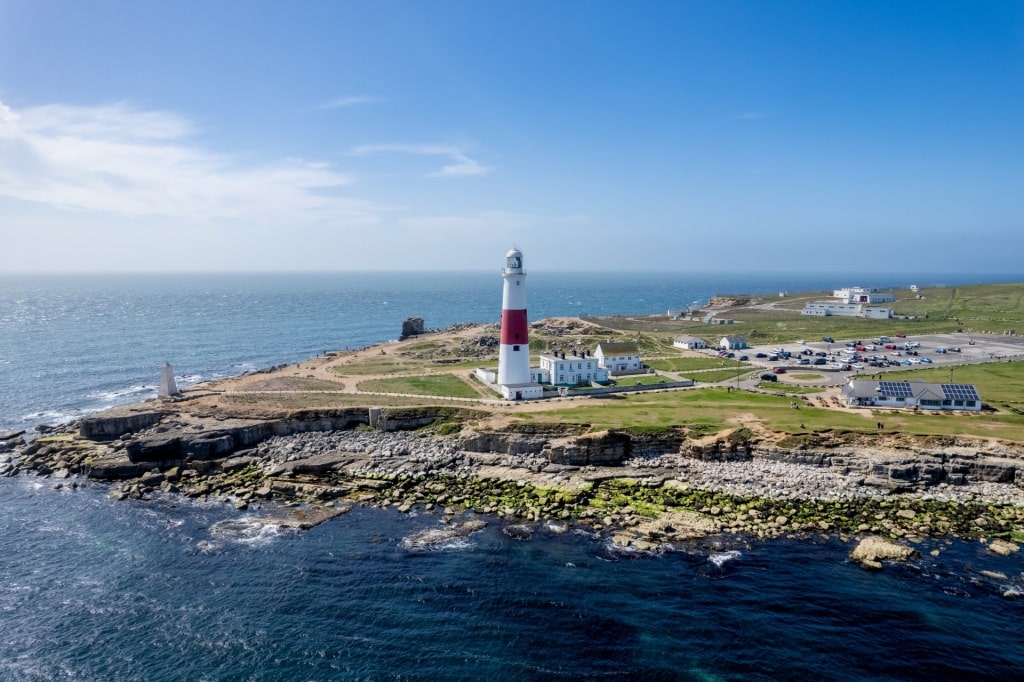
(406, 424)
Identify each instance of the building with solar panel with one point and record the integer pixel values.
(920, 394)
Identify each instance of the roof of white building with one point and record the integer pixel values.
(617, 348)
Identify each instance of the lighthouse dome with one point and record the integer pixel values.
(514, 260)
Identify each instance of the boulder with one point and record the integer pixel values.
(872, 550)
(1003, 547)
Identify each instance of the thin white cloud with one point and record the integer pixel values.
(123, 160)
(461, 164)
(350, 101)
(749, 116)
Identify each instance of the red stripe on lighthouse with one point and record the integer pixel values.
(513, 327)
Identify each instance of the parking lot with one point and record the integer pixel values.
(838, 360)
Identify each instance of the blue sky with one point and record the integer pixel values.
(425, 135)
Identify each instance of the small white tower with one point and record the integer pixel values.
(168, 388)
(514, 353)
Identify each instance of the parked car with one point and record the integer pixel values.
(828, 339)
(890, 346)
(926, 360)
(801, 341)
(819, 361)
(769, 377)
(804, 361)
(760, 355)
(954, 349)
(940, 350)
(821, 354)
(743, 358)
(779, 370)
(730, 355)
(900, 335)
(773, 358)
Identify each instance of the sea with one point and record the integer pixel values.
(175, 589)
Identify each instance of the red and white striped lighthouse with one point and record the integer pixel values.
(514, 354)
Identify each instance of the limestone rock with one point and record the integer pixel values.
(870, 551)
(1003, 547)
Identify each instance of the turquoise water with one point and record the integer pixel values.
(93, 589)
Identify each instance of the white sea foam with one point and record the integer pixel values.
(436, 539)
(116, 395)
(247, 530)
(720, 558)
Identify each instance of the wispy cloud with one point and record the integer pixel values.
(350, 101)
(749, 116)
(461, 164)
(120, 159)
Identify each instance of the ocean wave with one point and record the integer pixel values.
(118, 394)
(51, 417)
(720, 558)
(248, 530)
(437, 539)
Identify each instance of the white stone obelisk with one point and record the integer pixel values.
(514, 353)
(168, 388)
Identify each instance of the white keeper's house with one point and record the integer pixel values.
(621, 356)
(559, 369)
(689, 343)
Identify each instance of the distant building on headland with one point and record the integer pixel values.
(863, 295)
(828, 308)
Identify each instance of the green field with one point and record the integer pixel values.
(989, 307)
(642, 379)
(714, 376)
(445, 385)
(688, 364)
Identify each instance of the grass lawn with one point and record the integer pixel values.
(806, 376)
(378, 364)
(714, 376)
(293, 384)
(641, 379)
(447, 385)
(789, 388)
(688, 364)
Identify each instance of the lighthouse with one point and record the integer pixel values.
(514, 354)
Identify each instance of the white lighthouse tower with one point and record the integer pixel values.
(514, 354)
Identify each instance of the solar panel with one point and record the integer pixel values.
(960, 392)
(897, 389)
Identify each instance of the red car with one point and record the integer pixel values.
(900, 335)
(779, 370)
(890, 346)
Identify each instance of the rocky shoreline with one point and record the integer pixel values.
(642, 492)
